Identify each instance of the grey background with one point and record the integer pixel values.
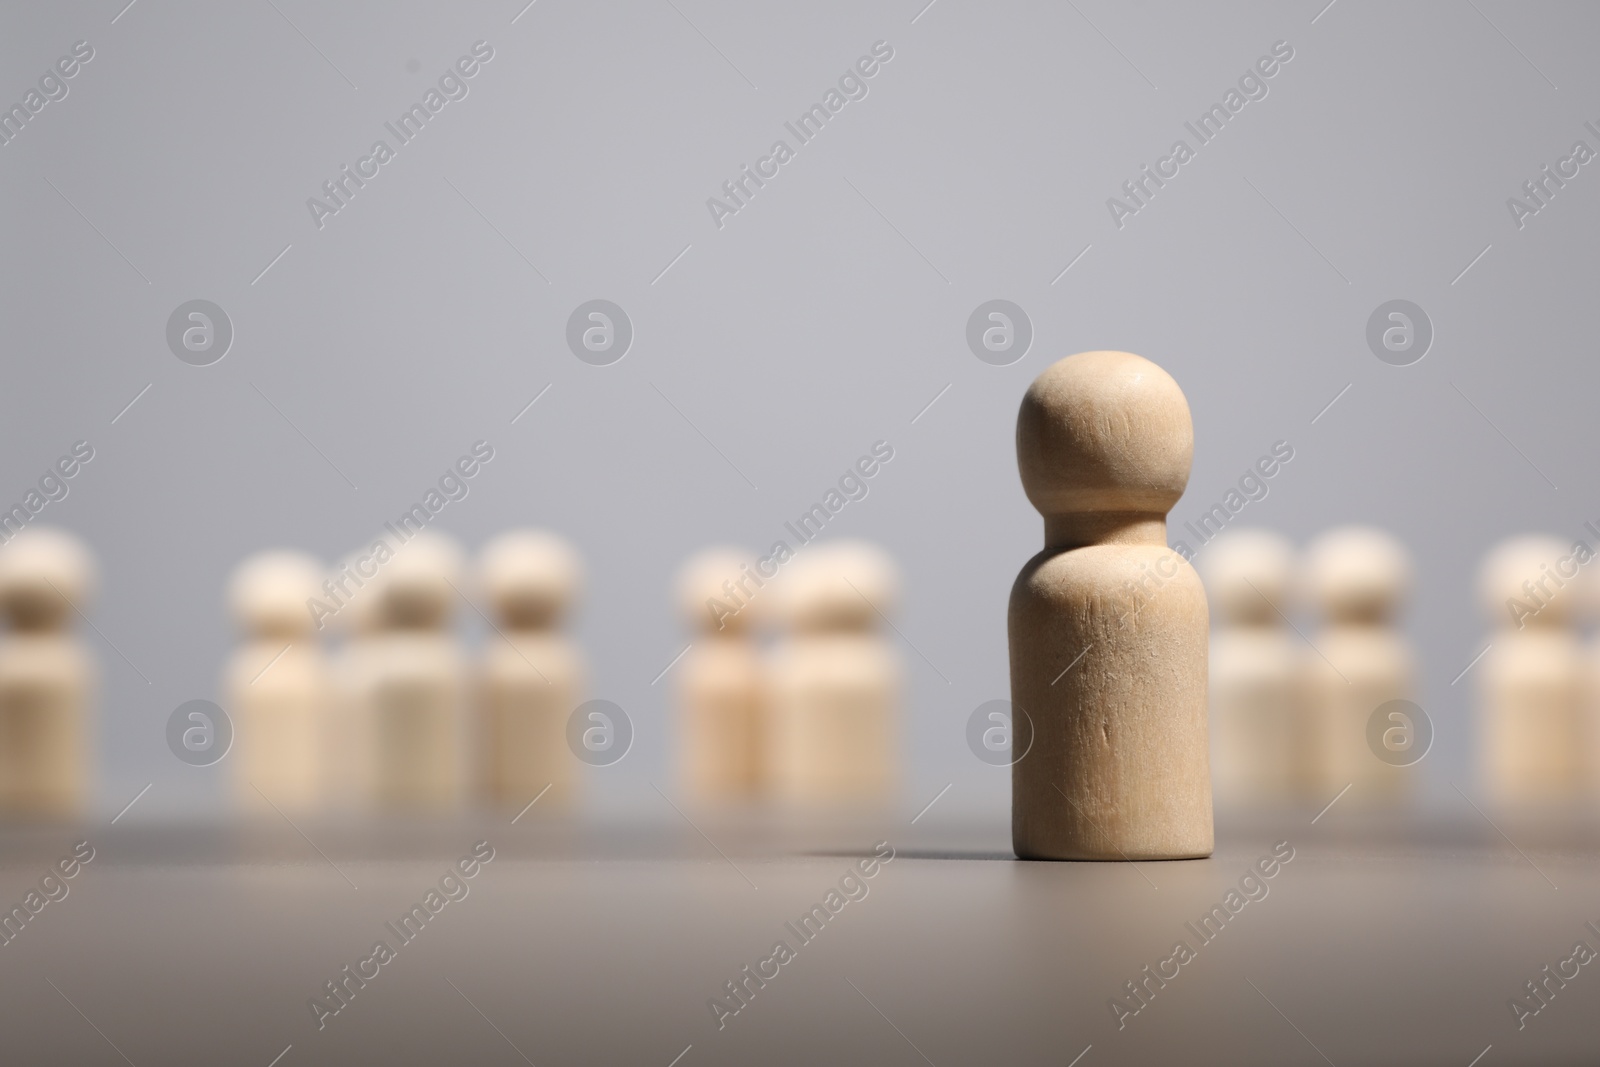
(823, 317)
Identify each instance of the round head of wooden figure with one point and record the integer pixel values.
(1104, 443)
(1358, 574)
(1248, 575)
(417, 588)
(530, 578)
(839, 585)
(268, 593)
(719, 591)
(44, 574)
(1530, 581)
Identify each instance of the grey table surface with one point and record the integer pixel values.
(1380, 942)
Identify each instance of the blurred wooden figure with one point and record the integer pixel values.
(1107, 625)
(1357, 577)
(410, 681)
(1257, 715)
(1533, 741)
(531, 675)
(277, 686)
(348, 784)
(720, 682)
(835, 681)
(47, 678)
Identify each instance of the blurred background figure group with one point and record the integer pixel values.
(1291, 702)
(399, 720)
(351, 690)
(812, 723)
(1306, 649)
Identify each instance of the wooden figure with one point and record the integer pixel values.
(835, 681)
(277, 686)
(47, 678)
(531, 675)
(1108, 625)
(721, 687)
(1359, 660)
(1533, 740)
(1257, 714)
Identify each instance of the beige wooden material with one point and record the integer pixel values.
(1257, 714)
(531, 676)
(721, 683)
(1119, 762)
(1357, 577)
(277, 687)
(47, 678)
(348, 785)
(409, 680)
(1533, 742)
(836, 683)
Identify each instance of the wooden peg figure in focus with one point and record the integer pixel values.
(1115, 691)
